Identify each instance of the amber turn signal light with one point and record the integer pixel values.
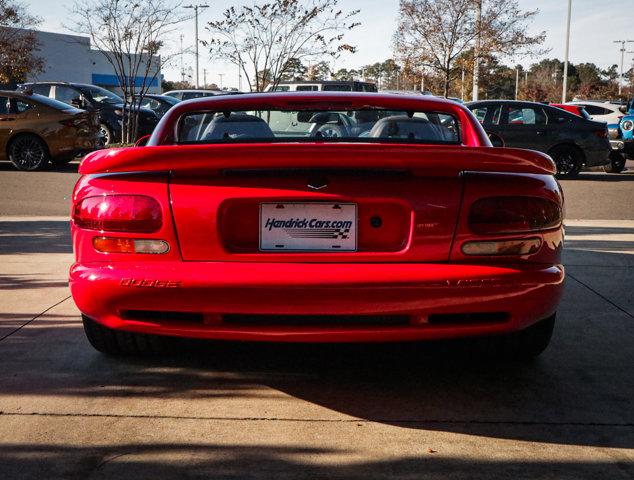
(129, 245)
(525, 246)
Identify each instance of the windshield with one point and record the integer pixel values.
(101, 95)
(368, 125)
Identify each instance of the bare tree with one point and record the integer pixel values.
(265, 40)
(130, 34)
(433, 33)
(18, 47)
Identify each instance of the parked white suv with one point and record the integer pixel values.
(602, 111)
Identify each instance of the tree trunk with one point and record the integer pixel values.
(447, 80)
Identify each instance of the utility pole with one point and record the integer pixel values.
(476, 51)
(462, 85)
(196, 8)
(565, 86)
(204, 78)
(221, 75)
(622, 49)
(182, 65)
(239, 74)
(517, 81)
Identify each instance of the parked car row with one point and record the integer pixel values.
(573, 141)
(569, 133)
(36, 130)
(45, 123)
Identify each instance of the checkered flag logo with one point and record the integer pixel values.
(342, 233)
(326, 233)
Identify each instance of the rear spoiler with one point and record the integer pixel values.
(431, 160)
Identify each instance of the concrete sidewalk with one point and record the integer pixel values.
(271, 411)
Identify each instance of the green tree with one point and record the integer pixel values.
(18, 48)
(431, 34)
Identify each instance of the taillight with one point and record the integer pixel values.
(497, 215)
(119, 213)
(130, 245)
(72, 122)
(523, 246)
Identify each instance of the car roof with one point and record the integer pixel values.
(321, 82)
(70, 84)
(609, 106)
(192, 90)
(318, 101)
(510, 102)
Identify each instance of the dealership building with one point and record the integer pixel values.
(70, 58)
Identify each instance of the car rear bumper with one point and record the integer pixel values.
(244, 301)
(596, 157)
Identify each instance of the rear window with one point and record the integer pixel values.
(368, 125)
(51, 102)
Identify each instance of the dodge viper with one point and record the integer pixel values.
(317, 217)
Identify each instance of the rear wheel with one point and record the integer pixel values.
(568, 159)
(117, 342)
(28, 152)
(519, 346)
(617, 163)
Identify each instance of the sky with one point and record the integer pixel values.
(595, 25)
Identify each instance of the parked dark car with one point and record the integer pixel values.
(109, 106)
(573, 142)
(159, 104)
(36, 130)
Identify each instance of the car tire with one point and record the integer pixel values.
(520, 346)
(617, 163)
(28, 152)
(106, 134)
(568, 159)
(121, 343)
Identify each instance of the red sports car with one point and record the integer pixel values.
(317, 217)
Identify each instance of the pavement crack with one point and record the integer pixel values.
(34, 318)
(599, 294)
(318, 420)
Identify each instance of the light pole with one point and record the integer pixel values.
(182, 67)
(476, 51)
(622, 49)
(565, 86)
(517, 80)
(196, 8)
(221, 75)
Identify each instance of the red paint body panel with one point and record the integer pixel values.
(415, 290)
(412, 267)
(569, 108)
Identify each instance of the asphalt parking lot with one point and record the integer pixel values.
(234, 411)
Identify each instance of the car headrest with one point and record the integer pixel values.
(237, 125)
(366, 116)
(407, 128)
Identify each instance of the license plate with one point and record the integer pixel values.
(308, 227)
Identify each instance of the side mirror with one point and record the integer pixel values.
(496, 140)
(142, 142)
(623, 109)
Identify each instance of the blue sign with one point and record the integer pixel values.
(107, 80)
